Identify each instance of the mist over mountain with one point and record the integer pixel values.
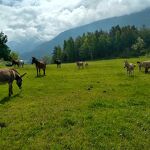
(23, 46)
(138, 19)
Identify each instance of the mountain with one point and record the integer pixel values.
(14, 45)
(138, 19)
(23, 46)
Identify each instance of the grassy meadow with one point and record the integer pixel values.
(99, 107)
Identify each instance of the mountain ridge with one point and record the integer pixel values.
(138, 19)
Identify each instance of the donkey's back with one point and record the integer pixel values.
(6, 75)
(41, 64)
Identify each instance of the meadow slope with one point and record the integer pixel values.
(99, 107)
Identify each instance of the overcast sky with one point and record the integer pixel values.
(44, 19)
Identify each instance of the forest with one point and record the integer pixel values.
(119, 42)
(4, 49)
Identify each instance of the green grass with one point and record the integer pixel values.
(99, 107)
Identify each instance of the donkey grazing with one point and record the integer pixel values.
(58, 62)
(130, 67)
(8, 76)
(17, 62)
(144, 64)
(80, 64)
(39, 65)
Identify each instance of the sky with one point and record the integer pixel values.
(44, 19)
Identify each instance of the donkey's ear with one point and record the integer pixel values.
(23, 75)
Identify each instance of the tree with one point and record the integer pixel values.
(4, 49)
(145, 35)
(57, 53)
(123, 41)
(104, 42)
(138, 46)
(70, 50)
(47, 59)
(3, 38)
(77, 46)
(14, 55)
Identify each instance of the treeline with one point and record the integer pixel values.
(5, 52)
(125, 41)
(4, 49)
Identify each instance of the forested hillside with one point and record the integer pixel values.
(125, 41)
(137, 19)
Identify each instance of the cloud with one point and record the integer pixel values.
(44, 19)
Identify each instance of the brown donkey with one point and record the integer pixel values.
(144, 64)
(39, 65)
(8, 76)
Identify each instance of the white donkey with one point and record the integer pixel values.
(130, 68)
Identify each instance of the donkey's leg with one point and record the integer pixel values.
(83, 66)
(127, 72)
(79, 66)
(44, 71)
(10, 89)
(146, 70)
(37, 71)
(131, 72)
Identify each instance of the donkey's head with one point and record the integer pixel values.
(58, 61)
(34, 60)
(140, 65)
(126, 64)
(19, 80)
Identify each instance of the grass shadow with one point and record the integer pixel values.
(7, 99)
(40, 76)
(144, 72)
(3, 125)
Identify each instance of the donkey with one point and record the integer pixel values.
(80, 64)
(21, 63)
(130, 67)
(8, 76)
(17, 62)
(58, 62)
(39, 65)
(144, 64)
